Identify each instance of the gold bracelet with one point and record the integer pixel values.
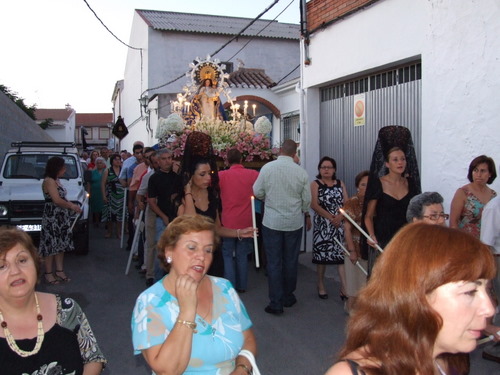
(249, 372)
(189, 324)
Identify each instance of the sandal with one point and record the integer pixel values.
(62, 278)
(53, 281)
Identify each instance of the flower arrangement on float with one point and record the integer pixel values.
(195, 110)
(254, 145)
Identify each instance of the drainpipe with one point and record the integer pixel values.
(300, 86)
(302, 98)
(302, 107)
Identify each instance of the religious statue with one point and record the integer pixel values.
(208, 96)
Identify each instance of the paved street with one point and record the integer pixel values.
(301, 341)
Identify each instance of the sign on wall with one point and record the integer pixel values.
(359, 110)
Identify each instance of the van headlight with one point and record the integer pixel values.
(3, 210)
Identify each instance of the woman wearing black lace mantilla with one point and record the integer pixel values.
(394, 179)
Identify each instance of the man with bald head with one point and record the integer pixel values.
(284, 187)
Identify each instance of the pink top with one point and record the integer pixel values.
(236, 190)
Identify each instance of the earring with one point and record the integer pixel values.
(169, 260)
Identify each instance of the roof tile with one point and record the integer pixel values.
(204, 23)
(55, 114)
(244, 77)
(93, 119)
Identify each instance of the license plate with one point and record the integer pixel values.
(31, 227)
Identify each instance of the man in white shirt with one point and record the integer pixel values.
(285, 189)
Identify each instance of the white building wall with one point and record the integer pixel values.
(134, 84)
(63, 131)
(460, 86)
(388, 31)
(460, 50)
(288, 96)
(171, 54)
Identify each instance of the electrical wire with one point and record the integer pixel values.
(293, 70)
(224, 45)
(102, 23)
(261, 30)
(216, 51)
(246, 27)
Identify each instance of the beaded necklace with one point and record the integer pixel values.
(39, 335)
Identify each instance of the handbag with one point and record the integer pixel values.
(249, 355)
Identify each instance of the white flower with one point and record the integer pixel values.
(174, 123)
(263, 125)
(160, 129)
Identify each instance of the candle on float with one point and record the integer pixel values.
(237, 113)
(254, 225)
(245, 107)
(360, 229)
(254, 106)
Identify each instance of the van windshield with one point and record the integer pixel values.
(33, 166)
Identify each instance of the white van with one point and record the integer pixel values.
(21, 197)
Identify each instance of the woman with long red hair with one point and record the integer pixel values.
(425, 303)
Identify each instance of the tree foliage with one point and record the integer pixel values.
(30, 111)
(46, 123)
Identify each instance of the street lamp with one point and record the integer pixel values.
(144, 102)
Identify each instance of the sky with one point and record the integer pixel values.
(56, 52)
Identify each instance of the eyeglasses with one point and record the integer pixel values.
(436, 217)
(326, 167)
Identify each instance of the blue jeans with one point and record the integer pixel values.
(236, 269)
(158, 270)
(282, 251)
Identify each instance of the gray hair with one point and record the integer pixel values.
(100, 158)
(419, 202)
(163, 151)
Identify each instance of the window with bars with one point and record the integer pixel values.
(290, 126)
(372, 82)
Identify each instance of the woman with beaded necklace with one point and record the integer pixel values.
(39, 332)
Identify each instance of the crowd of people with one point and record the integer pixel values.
(426, 291)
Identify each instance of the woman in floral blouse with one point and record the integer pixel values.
(190, 322)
